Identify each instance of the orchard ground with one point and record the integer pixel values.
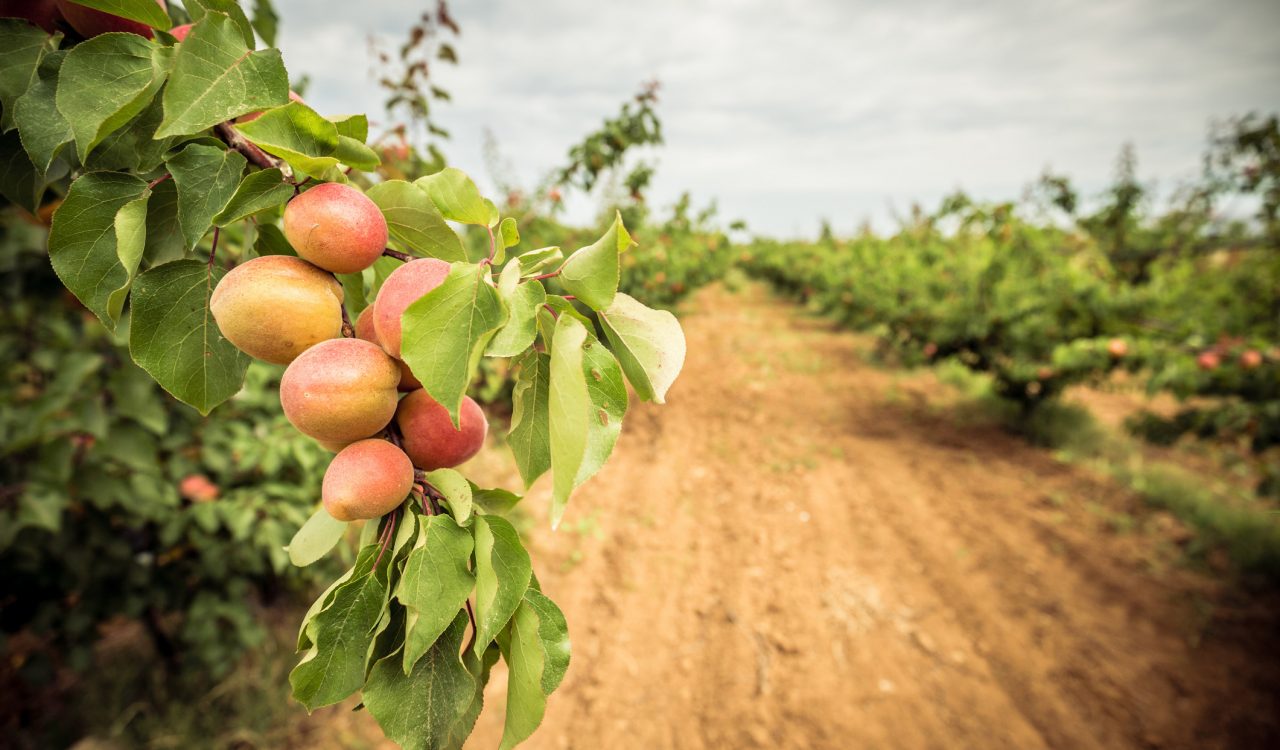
(804, 550)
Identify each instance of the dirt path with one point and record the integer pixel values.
(801, 551)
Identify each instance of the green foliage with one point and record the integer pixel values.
(131, 144)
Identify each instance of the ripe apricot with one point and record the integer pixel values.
(340, 390)
(365, 330)
(275, 307)
(406, 285)
(336, 227)
(367, 479)
(430, 438)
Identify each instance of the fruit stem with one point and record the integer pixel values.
(397, 254)
(348, 330)
(551, 275)
(158, 180)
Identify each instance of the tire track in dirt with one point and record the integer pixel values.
(801, 551)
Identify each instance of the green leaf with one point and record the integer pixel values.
(105, 82)
(82, 240)
(502, 570)
(43, 129)
(435, 584)
(553, 632)
(207, 177)
(415, 222)
(271, 241)
(297, 134)
(164, 234)
(529, 435)
(479, 666)
(258, 191)
(526, 702)
(537, 261)
(523, 302)
(173, 335)
(608, 394)
(352, 126)
(649, 344)
(353, 153)
(142, 11)
(446, 331)
(200, 8)
(569, 409)
(318, 535)
(495, 500)
(457, 197)
(21, 48)
(131, 242)
(20, 181)
(591, 273)
(456, 490)
(216, 78)
(265, 21)
(134, 146)
(340, 634)
(427, 709)
(509, 233)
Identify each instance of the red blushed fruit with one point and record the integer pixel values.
(197, 488)
(90, 22)
(336, 227)
(340, 390)
(1208, 361)
(43, 13)
(367, 479)
(430, 438)
(365, 330)
(180, 32)
(402, 288)
(1117, 348)
(1251, 359)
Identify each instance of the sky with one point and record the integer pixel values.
(787, 114)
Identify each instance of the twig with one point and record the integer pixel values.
(158, 180)
(213, 249)
(397, 255)
(255, 155)
(551, 275)
(471, 615)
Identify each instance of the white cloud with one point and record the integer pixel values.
(788, 112)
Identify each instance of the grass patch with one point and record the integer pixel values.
(1236, 522)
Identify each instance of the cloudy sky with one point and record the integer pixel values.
(787, 113)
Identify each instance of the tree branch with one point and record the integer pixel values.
(255, 155)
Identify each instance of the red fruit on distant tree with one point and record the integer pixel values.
(1044, 373)
(198, 489)
(1117, 348)
(1251, 359)
(90, 22)
(930, 349)
(1208, 361)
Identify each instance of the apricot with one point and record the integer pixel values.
(1117, 348)
(367, 479)
(90, 22)
(42, 13)
(1251, 359)
(1208, 361)
(430, 438)
(180, 32)
(402, 288)
(336, 227)
(365, 330)
(275, 307)
(340, 390)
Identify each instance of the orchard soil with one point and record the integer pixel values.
(804, 550)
